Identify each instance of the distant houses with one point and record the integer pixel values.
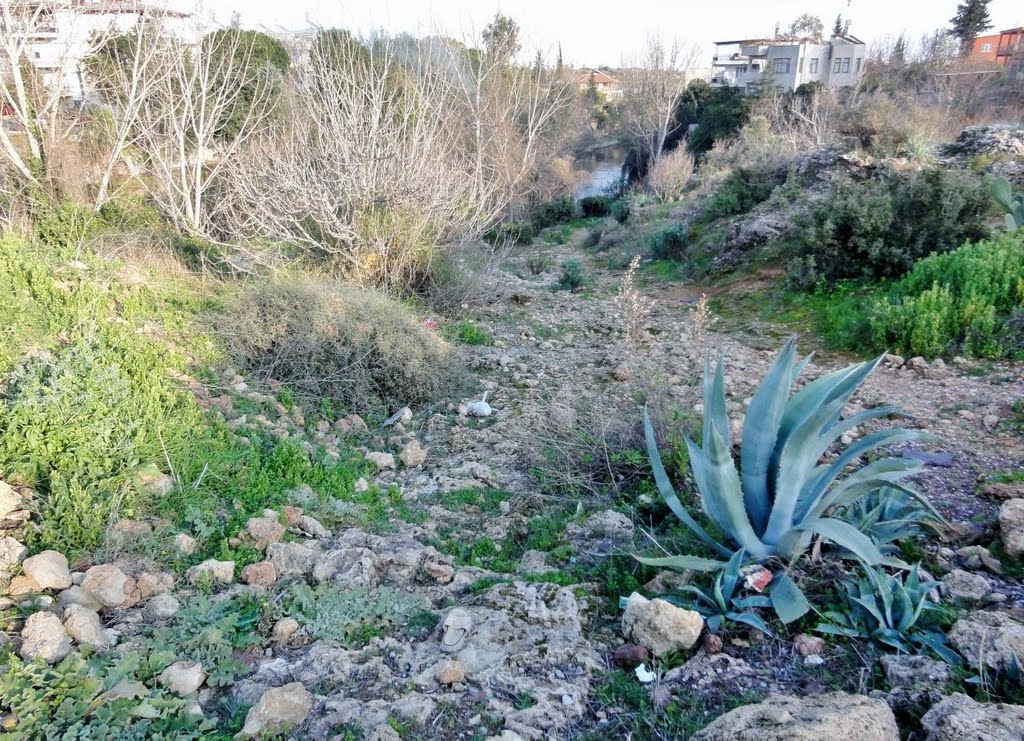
(788, 63)
(1005, 49)
(600, 81)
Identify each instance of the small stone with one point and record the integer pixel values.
(630, 656)
(185, 544)
(403, 417)
(49, 570)
(84, 626)
(567, 700)
(222, 572)
(1011, 526)
(153, 481)
(806, 645)
(284, 629)
(264, 531)
(713, 644)
(622, 373)
(279, 710)
(382, 461)
(966, 587)
(182, 677)
(412, 454)
(362, 485)
(111, 586)
(990, 422)
(9, 500)
(44, 637)
(75, 595)
(312, 527)
(442, 573)
(262, 574)
(292, 515)
(813, 660)
(451, 672)
(660, 625)
(291, 559)
(162, 607)
(151, 585)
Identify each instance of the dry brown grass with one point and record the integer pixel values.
(670, 176)
(333, 341)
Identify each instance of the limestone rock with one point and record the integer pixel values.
(958, 717)
(312, 527)
(153, 584)
(284, 629)
(660, 625)
(222, 572)
(451, 672)
(902, 670)
(278, 710)
(182, 677)
(381, 460)
(819, 718)
(11, 554)
(111, 586)
(162, 607)
(84, 626)
(264, 530)
(9, 500)
(413, 455)
(44, 637)
(185, 544)
(806, 645)
(1011, 526)
(262, 574)
(49, 570)
(967, 587)
(291, 558)
(994, 636)
(75, 595)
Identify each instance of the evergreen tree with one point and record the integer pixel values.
(501, 38)
(971, 20)
(899, 51)
(837, 29)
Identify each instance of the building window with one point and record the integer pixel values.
(858, 65)
(781, 66)
(813, 66)
(846, 65)
(986, 47)
(800, 66)
(837, 66)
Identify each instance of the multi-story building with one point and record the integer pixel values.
(58, 35)
(604, 83)
(787, 64)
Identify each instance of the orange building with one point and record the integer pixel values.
(1005, 48)
(985, 48)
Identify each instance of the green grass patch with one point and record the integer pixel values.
(468, 333)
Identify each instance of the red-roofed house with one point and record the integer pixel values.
(602, 82)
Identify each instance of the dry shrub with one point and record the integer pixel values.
(670, 176)
(755, 146)
(329, 340)
(886, 125)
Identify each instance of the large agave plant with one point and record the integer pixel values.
(781, 496)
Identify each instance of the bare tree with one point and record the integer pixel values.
(653, 83)
(190, 91)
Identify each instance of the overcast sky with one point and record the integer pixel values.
(601, 32)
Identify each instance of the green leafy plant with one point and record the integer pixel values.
(784, 497)
(538, 263)
(889, 516)
(556, 211)
(572, 277)
(350, 617)
(595, 206)
(468, 333)
(511, 232)
(1012, 204)
(887, 609)
(722, 603)
(620, 210)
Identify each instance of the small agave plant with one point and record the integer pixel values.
(1012, 204)
(782, 495)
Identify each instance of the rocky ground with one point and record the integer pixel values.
(483, 605)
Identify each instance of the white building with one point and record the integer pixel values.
(788, 64)
(60, 34)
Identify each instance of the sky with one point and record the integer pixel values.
(599, 32)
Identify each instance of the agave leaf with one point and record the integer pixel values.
(846, 536)
(721, 494)
(789, 602)
(1011, 222)
(799, 368)
(796, 464)
(668, 493)
(837, 630)
(1002, 192)
(904, 614)
(883, 584)
(760, 430)
(937, 643)
(715, 413)
(683, 563)
(894, 563)
(874, 476)
(698, 593)
(714, 623)
(755, 601)
(731, 575)
(752, 620)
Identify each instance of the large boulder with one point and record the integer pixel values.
(43, 637)
(960, 718)
(217, 572)
(291, 559)
(49, 570)
(111, 586)
(182, 677)
(85, 627)
(992, 637)
(828, 717)
(1011, 526)
(278, 710)
(660, 625)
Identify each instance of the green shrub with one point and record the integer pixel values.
(468, 333)
(538, 263)
(595, 206)
(572, 277)
(592, 237)
(880, 229)
(511, 232)
(620, 210)
(64, 224)
(670, 243)
(741, 191)
(556, 211)
(959, 300)
(332, 341)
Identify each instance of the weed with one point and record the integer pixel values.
(572, 277)
(468, 333)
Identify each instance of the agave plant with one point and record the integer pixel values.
(721, 603)
(887, 609)
(1012, 204)
(888, 516)
(782, 495)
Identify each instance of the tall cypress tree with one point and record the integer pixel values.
(837, 29)
(971, 20)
